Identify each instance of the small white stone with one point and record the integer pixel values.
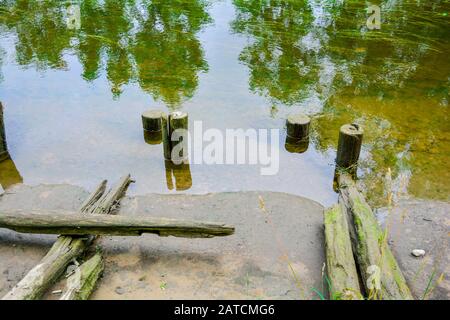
(418, 253)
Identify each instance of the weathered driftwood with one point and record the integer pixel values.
(3, 146)
(341, 267)
(64, 250)
(93, 197)
(108, 201)
(81, 284)
(72, 223)
(379, 270)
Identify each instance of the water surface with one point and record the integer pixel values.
(73, 92)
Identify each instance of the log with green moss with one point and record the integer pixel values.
(380, 272)
(81, 284)
(67, 248)
(341, 267)
(72, 223)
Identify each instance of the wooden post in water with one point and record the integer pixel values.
(3, 146)
(349, 146)
(151, 120)
(297, 138)
(165, 132)
(178, 120)
(152, 124)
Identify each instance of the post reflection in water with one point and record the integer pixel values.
(151, 43)
(153, 137)
(9, 175)
(293, 145)
(178, 176)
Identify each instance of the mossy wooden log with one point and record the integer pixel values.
(178, 129)
(66, 249)
(341, 267)
(81, 284)
(72, 223)
(3, 146)
(380, 272)
(349, 147)
(152, 120)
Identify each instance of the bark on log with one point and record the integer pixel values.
(71, 223)
(341, 267)
(64, 250)
(81, 284)
(379, 270)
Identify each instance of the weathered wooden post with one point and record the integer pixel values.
(152, 120)
(3, 146)
(165, 132)
(349, 146)
(178, 130)
(174, 136)
(152, 124)
(297, 137)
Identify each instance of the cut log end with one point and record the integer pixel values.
(297, 126)
(152, 120)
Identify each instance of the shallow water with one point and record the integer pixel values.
(73, 94)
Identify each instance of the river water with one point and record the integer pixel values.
(76, 76)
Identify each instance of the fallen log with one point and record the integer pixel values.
(341, 267)
(65, 250)
(72, 223)
(379, 270)
(81, 284)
